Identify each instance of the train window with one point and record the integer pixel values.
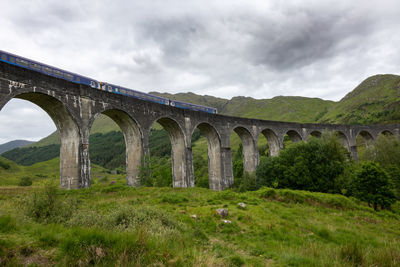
(123, 91)
(12, 59)
(47, 70)
(116, 89)
(4, 57)
(58, 73)
(78, 79)
(130, 93)
(34, 66)
(68, 76)
(109, 88)
(22, 62)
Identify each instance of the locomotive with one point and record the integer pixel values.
(79, 79)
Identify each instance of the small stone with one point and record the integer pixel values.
(222, 212)
(193, 216)
(226, 221)
(242, 205)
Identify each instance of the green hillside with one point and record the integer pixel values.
(280, 108)
(375, 100)
(115, 225)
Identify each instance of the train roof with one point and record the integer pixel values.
(46, 65)
(193, 104)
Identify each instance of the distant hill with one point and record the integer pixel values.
(13, 144)
(375, 100)
(280, 108)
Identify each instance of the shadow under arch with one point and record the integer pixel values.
(133, 143)
(273, 142)
(342, 139)
(366, 135)
(178, 151)
(386, 133)
(72, 175)
(250, 152)
(316, 134)
(214, 155)
(363, 140)
(294, 136)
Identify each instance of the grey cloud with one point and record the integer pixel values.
(224, 48)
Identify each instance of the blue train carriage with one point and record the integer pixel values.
(47, 70)
(191, 106)
(132, 93)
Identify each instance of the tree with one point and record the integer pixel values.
(371, 184)
(386, 151)
(313, 166)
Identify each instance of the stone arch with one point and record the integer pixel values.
(274, 146)
(294, 136)
(366, 135)
(133, 143)
(178, 151)
(73, 174)
(250, 153)
(343, 139)
(316, 134)
(214, 155)
(385, 132)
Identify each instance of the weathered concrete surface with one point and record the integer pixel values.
(73, 108)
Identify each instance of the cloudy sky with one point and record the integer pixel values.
(223, 48)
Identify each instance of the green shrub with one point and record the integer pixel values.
(7, 224)
(371, 184)
(47, 206)
(4, 165)
(353, 254)
(173, 198)
(236, 261)
(25, 181)
(312, 166)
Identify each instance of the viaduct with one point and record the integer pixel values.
(73, 108)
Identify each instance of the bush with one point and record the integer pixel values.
(7, 224)
(4, 165)
(313, 166)
(25, 181)
(47, 206)
(371, 184)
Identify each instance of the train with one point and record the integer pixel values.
(104, 86)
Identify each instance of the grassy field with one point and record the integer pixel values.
(111, 224)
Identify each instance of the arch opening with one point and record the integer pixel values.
(291, 137)
(200, 159)
(248, 153)
(270, 145)
(316, 134)
(119, 152)
(178, 154)
(72, 174)
(214, 155)
(363, 141)
(343, 139)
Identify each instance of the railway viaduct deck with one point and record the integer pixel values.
(73, 108)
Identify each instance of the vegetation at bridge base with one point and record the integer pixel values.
(323, 165)
(315, 165)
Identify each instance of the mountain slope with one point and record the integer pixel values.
(280, 108)
(375, 100)
(13, 144)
